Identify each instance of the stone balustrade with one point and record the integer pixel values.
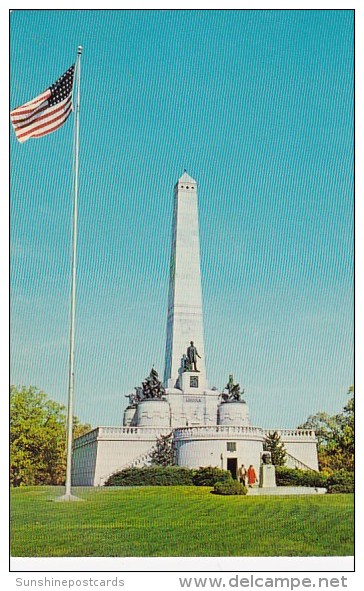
(218, 432)
(120, 433)
(86, 438)
(199, 432)
(107, 432)
(221, 431)
(292, 433)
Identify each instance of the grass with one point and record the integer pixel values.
(178, 521)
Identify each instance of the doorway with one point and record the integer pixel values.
(232, 466)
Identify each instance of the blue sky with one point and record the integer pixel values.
(258, 107)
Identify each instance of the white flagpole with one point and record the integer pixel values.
(68, 496)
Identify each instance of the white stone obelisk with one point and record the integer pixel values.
(185, 321)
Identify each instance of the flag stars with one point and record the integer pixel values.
(61, 89)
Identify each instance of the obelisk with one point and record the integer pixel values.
(185, 321)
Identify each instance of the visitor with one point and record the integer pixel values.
(252, 476)
(242, 474)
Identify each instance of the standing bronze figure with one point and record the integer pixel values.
(192, 355)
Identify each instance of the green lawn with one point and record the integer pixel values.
(178, 521)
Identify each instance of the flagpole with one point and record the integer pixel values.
(68, 496)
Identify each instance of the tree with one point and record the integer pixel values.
(324, 426)
(335, 436)
(274, 444)
(38, 438)
(347, 440)
(164, 452)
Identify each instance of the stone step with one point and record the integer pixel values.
(286, 490)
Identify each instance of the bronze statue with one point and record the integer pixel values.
(186, 366)
(232, 391)
(266, 458)
(151, 388)
(192, 355)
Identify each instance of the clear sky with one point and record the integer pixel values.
(258, 107)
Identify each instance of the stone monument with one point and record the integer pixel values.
(267, 472)
(210, 427)
(184, 318)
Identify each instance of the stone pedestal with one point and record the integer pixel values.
(192, 382)
(234, 412)
(267, 476)
(153, 413)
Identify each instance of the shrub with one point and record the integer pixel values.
(168, 476)
(208, 476)
(152, 476)
(296, 477)
(340, 489)
(230, 487)
(341, 481)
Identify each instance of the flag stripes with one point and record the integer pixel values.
(18, 117)
(47, 112)
(43, 120)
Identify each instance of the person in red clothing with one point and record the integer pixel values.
(252, 476)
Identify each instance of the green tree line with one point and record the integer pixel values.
(336, 437)
(38, 438)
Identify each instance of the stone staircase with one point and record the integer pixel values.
(140, 461)
(292, 462)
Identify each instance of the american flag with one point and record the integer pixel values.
(46, 112)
